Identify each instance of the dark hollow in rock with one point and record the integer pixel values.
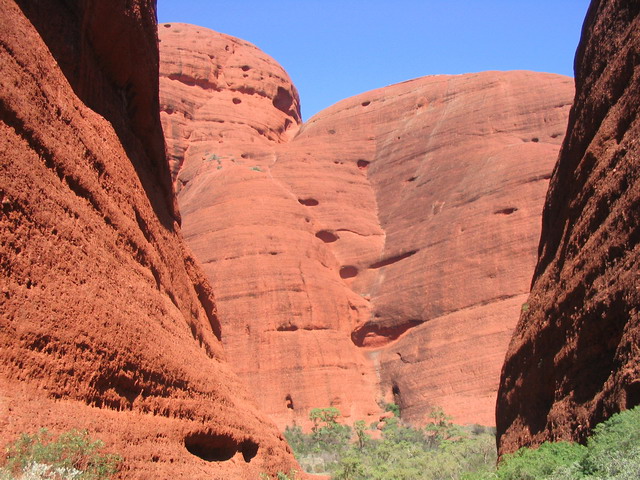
(397, 258)
(505, 211)
(362, 164)
(249, 450)
(236, 101)
(308, 202)
(212, 447)
(348, 271)
(289, 401)
(286, 328)
(326, 236)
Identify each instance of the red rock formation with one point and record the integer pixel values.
(107, 323)
(381, 253)
(574, 358)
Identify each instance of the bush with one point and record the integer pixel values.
(439, 451)
(612, 453)
(534, 464)
(73, 455)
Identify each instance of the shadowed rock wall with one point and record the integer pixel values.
(574, 358)
(107, 323)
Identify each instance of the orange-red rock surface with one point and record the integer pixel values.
(106, 321)
(380, 251)
(574, 358)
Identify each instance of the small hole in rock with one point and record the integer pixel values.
(286, 328)
(236, 100)
(249, 450)
(362, 164)
(244, 155)
(365, 104)
(332, 132)
(395, 390)
(167, 25)
(246, 68)
(535, 139)
(289, 402)
(506, 211)
(412, 179)
(348, 271)
(327, 236)
(308, 202)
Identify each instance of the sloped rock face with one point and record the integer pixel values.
(107, 322)
(379, 252)
(574, 358)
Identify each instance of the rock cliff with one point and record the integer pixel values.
(574, 357)
(379, 252)
(107, 322)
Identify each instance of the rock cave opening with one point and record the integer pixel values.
(212, 447)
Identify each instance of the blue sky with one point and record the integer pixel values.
(336, 49)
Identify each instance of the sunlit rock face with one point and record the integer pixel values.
(380, 251)
(107, 323)
(574, 358)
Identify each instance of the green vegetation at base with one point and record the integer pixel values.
(611, 453)
(70, 456)
(442, 450)
(438, 451)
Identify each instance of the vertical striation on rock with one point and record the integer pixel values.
(107, 322)
(379, 252)
(574, 358)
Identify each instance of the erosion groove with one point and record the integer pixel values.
(392, 260)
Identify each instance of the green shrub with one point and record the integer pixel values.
(440, 451)
(612, 453)
(534, 464)
(73, 455)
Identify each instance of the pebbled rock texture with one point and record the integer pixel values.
(379, 252)
(574, 358)
(107, 323)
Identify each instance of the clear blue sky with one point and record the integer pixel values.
(334, 49)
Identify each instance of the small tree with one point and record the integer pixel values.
(326, 429)
(327, 416)
(359, 427)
